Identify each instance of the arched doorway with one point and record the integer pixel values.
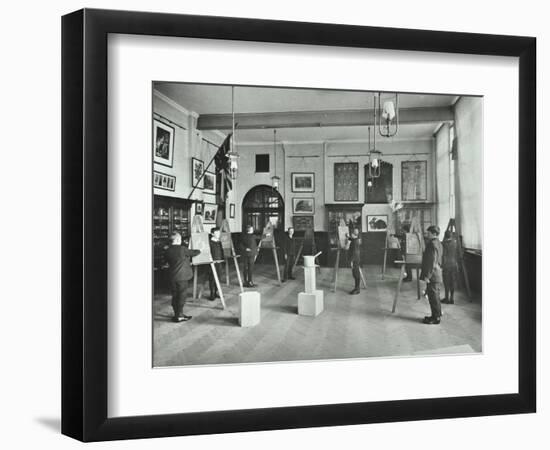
(262, 204)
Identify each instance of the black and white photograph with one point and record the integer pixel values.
(302, 205)
(164, 181)
(399, 242)
(377, 223)
(303, 182)
(163, 143)
(209, 183)
(197, 173)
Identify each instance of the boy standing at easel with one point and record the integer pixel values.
(431, 273)
(179, 261)
(450, 267)
(249, 249)
(290, 254)
(355, 258)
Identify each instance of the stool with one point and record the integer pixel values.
(310, 304)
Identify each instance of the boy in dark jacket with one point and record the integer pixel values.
(249, 249)
(450, 267)
(289, 246)
(178, 258)
(431, 273)
(354, 253)
(216, 250)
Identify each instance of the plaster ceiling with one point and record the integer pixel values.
(216, 99)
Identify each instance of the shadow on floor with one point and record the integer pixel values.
(288, 309)
(52, 423)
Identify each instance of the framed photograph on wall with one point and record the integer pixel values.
(414, 181)
(210, 212)
(377, 223)
(303, 182)
(197, 170)
(164, 181)
(232, 210)
(163, 143)
(209, 183)
(303, 205)
(106, 398)
(199, 208)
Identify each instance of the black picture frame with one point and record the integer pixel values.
(84, 224)
(197, 182)
(296, 201)
(168, 132)
(164, 181)
(232, 210)
(295, 175)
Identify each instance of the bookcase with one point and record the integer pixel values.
(170, 214)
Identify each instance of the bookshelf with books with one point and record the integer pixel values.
(170, 214)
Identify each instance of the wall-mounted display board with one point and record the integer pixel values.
(346, 182)
(414, 181)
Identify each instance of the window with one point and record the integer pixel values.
(452, 155)
(262, 163)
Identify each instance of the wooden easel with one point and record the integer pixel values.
(268, 242)
(453, 229)
(414, 260)
(343, 246)
(229, 252)
(390, 237)
(197, 227)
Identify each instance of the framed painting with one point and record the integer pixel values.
(303, 205)
(210, 212)
(232, 210)
(106, 398)
(303, 182)
(414, 181)
(209, 183)
(163, 143)
(346, 182)
(377, 223)
(197, 173)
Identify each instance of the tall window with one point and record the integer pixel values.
(452, 171)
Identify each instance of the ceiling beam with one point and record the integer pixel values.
(333, 118)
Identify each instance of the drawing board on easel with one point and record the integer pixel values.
(200, 241)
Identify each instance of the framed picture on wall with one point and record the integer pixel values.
(209, 183)
(303, 205)
(377, 223)
(380, 189)
(210, 212)
(232, 210)
(199, 208)
(414, 181)
(163, 143)
(346, 182)
(197, 169)
(164, 181)
(303, 182)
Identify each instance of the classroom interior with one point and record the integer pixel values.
(315, 160)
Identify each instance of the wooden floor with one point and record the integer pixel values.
(356, 326)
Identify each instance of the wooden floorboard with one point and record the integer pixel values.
(357, 326)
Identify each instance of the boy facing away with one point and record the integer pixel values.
(179, 262)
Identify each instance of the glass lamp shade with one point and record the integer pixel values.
(388, 113)
(275, 182)
(233, 164)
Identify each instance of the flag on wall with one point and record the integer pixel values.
(222, 167)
